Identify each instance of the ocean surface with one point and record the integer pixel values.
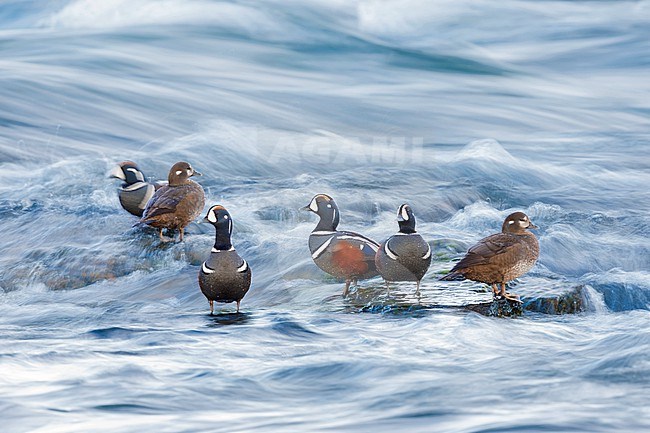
(466, 110)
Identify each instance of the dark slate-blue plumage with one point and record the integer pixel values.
(225, 276)
(405, 256)
(343, 254)
(135, 192)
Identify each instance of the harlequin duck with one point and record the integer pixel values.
(176, 204)
(224, 277)
(501, 257)
(342, 254)
(135, 191)
(405, 256)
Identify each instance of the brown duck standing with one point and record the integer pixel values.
(501, 257)
(176, 204)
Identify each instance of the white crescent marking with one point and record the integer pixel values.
(212, 217)
(405, 214)
(322, 233)
(206, 270)
(243, 267)
(147, 196)
(321, 249)
(389, 253)
(428, 254)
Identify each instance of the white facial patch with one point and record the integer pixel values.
(405, 214)
(212, 217)
(313, 205)
(511, 223)
(190, 171)
(117, 172)
(178, 172)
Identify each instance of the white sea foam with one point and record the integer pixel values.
(121, 13)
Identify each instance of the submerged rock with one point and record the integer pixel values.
(570, 302)
(537, 295)
(498, 308)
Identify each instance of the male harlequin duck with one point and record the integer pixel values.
(135, 192)
(176, 204)
(224, 277)
(405, 256)
(501, 257)
(342, 254)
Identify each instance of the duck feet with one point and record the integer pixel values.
(509, 296)
(347, 288)
(512, 297)
(164, 238)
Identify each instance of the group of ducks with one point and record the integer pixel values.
(226, 277)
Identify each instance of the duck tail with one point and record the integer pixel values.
(142, 222)
(452, 276)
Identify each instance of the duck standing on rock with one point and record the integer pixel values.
(405, 256)
(135, 192)
(176, 204)
(501, 257)
(225, 276)
(343, 254)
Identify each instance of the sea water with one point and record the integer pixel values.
(466, 110)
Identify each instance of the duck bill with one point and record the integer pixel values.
(307, 208)
(532, 226)
(117, 173)
(196, 173)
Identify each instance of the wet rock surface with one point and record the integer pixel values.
(536, 295)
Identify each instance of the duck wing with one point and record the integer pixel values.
(500, 248)
(165, 200)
